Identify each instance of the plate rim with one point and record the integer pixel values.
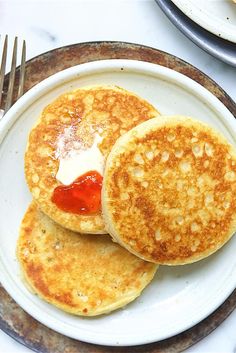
(4, 128)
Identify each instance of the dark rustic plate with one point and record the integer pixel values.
(17, 323)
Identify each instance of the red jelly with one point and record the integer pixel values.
(83, 196)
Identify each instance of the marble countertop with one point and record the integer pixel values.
(48, 24)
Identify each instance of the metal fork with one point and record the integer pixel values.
(9, 91)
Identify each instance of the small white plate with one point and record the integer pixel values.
(178, 297)
(216, 16)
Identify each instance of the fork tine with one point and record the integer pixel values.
(22, 71)
(3, 66)
(11, 78)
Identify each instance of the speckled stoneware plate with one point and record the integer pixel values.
(220, 48)
(179, 297)
(216, 16)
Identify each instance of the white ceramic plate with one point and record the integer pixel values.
(178, 297)
(216, 16)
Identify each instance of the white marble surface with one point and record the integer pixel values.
(47, 24)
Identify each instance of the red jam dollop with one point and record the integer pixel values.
(83, 196)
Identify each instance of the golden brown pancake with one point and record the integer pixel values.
(107, 110)
(169, 190)
(77, 273)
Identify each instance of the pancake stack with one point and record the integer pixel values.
(83, 274)
(103, 160)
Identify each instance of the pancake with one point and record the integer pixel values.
(79, 274)
(74, 134)
(169, 190)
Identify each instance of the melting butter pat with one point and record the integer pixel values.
(79, 162)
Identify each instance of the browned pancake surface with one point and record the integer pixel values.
(80, 274)
(169, 190)
(111, 110)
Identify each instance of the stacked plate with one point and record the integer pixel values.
(209, 24)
